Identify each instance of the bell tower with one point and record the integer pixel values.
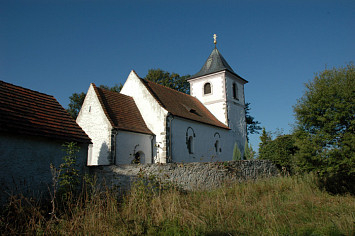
(221, 90)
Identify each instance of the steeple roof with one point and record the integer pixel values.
(215, 63)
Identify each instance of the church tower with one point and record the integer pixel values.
(221, 90)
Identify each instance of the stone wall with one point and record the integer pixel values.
(188, 176)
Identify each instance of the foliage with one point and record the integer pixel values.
(69, 178)
(249, 153)
(116, 88)
(275, 206)
(170, 80)
(281, 151)
(325, 132)
(253, 126)
(237, 155)
(265, 138)
(76, 101)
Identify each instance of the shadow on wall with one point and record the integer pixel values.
(104, 154)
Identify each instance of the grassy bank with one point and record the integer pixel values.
(276, 206)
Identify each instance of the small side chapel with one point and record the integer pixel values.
(149, 123)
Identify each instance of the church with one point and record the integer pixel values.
(149, 123)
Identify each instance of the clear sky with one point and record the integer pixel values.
(59, 47)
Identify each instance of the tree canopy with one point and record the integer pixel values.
(281, 150)
(170, 80)
(77, 99)
(325, 129)
(253, 126)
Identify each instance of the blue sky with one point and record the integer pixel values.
(60, 47)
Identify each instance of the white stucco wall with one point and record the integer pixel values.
(230, 79)
(216, 100)
(93, 121)
(203, 142)
(25, 164)
(129, 143)
(153, 114)
(221, 103)
(236, 112)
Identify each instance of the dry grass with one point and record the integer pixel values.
(276, 206)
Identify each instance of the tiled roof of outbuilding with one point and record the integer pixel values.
(121, 111)
(215, 63)
(182, 105)
(27, 112)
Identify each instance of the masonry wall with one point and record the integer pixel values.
(25, 164)
(188, 176)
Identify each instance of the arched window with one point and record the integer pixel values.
(190, 134)
(207, 88)
(235, 91)
(139, 158)
(190, 145)
(216, 146)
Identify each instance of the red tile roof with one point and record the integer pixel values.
(182, 105)
(27, 112)
(121, 111)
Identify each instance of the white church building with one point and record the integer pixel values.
(149, 123)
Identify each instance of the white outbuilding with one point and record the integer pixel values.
(33, 129)
(149, 123)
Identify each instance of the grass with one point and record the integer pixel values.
(275, 206)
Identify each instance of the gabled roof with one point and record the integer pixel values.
(27, 112)
(121, 111)
(181, 104)
(215, 63)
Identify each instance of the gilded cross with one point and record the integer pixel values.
(215, 39)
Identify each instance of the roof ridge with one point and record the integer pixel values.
(156, 97)
(166, 87)
(113, 102)
(26, 111)
(27, 89)
(113, 92)
(96, 89)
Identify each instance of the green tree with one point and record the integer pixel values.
(265, 138)
(237, 155)
(170, 80)
(249, 153)
(117, 88)
(76, 101)
(281, 151)
(325, 131)
(69, 178)
(253, 126)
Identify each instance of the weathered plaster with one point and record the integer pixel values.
(25, 164)
(153, 114)
(94, 122)
(129, 143)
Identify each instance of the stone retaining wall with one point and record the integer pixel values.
(188, 176)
